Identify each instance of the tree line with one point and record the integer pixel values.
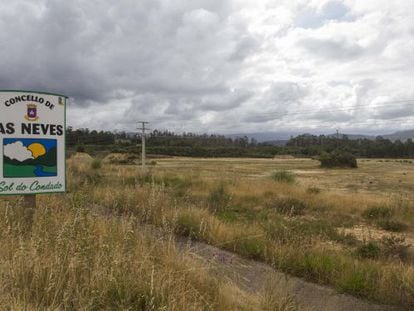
(213, 145)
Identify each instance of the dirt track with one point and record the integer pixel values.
(251, 276)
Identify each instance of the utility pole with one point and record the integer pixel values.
(337, 138)
(143, 129)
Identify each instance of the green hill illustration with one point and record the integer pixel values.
(29, 158)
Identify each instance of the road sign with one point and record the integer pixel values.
(32, 142)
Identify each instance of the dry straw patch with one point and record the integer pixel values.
(247, 219)
(75, 260)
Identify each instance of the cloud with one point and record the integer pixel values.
(17, 151)
(215, 65)
(335, 49)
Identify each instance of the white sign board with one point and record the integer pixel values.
(32, 142)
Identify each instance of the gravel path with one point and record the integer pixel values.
(252, 276)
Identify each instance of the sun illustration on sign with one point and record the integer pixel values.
(37, 150)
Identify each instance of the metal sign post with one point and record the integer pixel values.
(29, 205)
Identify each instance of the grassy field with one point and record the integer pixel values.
(348, 229)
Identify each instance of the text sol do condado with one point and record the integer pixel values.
(34, 186)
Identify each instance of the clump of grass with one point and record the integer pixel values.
(346, 239)
(382, 217)
(378, 212)
(188, 224)
(288, 206)
(369, 250)
(96, 164)
(276, 299)
(237, 213)
(389, 247)
(283, 176)
(219, 198)
(359, 280)
(313, 190)
(251, 247)
(396, 248)
(299, 232)
(392, 225)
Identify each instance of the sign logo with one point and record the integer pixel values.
(31, 113)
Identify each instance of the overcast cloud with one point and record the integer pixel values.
(216, 65)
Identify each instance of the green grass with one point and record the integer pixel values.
(378, 212)
(283, 176)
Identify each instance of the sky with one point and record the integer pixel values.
(217, 66)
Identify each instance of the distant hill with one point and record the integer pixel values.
(402, 135)
(353, 136)
(267, 136)
(48, 159)
(281, 138)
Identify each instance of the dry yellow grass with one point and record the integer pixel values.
(182, 196)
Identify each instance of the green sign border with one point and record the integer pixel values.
(66, 181)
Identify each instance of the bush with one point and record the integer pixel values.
(288, 206)
(395, 248)
(392, 225)
(338, 159)
(80, 148)
(188, 224)
(378, 212)
(313, 190)
(283, 176)
(369, 250)
(219, 198)
(96, 164)
(390, 247)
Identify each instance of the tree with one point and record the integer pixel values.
(338, 159)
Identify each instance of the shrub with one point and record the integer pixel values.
(80, 148)
(392, 225)
(188, 224)
(219, 198)
(288, 206)
(369, 250)
(313, 190)
(250, 247)
(395, 248)
(347, 239)
(378, 212)
(96, 164)
(283, 176)
(338, 159)
(358, 280)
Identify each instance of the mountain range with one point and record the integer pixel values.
(280, 138)
(48, 159)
